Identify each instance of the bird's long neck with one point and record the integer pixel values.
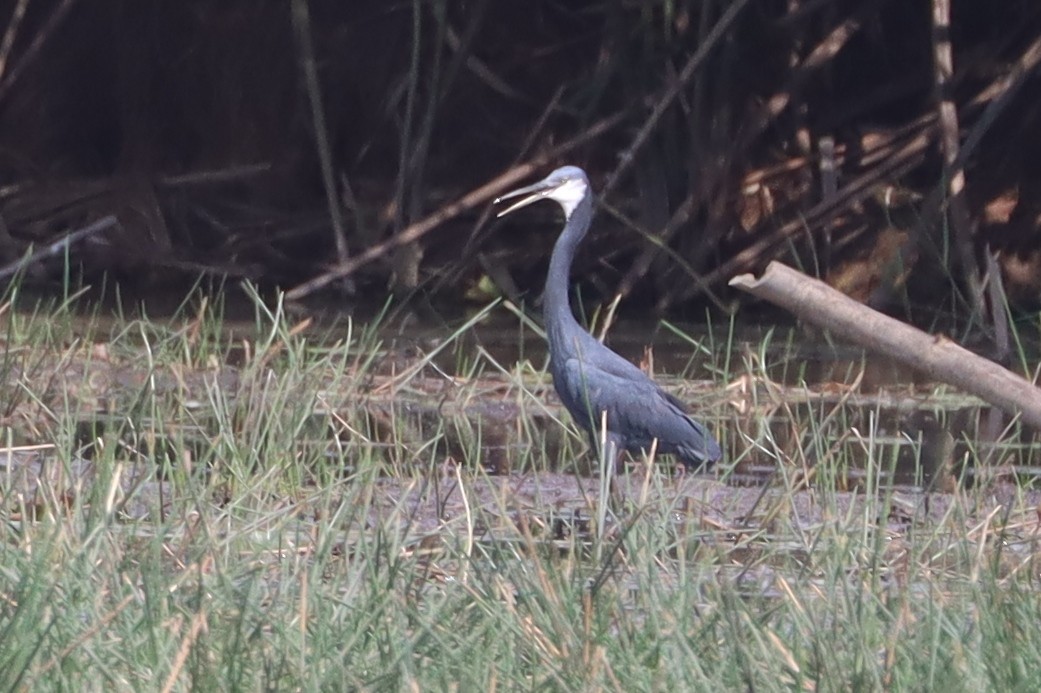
(556, 307)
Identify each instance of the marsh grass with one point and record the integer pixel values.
(260, 527)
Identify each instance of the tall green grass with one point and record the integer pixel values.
(248, 528)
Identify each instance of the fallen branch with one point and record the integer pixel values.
(469, 201)
(815, 302)
(59, 245)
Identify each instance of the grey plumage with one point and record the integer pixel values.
(590, 379)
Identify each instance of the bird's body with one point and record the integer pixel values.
(591, 380)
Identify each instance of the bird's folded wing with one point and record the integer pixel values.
(635, 405)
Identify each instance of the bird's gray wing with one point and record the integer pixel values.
(636, 407)
(589, 389)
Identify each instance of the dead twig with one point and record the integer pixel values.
(660, 243)
(481, 70)
(302, 28)
(892, 162)
(856, 190)
(999, 95)
(774, 106)
(675, 89)
(13, 24)
(501, 278)
(469, 201)
(821, 54)
(59, 246)
(953, 177)
(34, 48)
(229, 174)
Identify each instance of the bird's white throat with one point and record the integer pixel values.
(569, 194)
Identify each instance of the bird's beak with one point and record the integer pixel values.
(535, 192)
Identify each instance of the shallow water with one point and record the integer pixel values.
(789, 407)
(781, 401)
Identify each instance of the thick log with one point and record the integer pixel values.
(815, 302)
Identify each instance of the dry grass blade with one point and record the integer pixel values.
(255, 560)
(197, 626)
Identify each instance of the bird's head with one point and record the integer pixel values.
(566, 186)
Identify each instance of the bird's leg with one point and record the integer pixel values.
(608, 445)
(613, 464)
(611, 496)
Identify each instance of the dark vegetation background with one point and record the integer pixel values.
(280, 140)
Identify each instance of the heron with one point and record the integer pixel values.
(605, 393)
